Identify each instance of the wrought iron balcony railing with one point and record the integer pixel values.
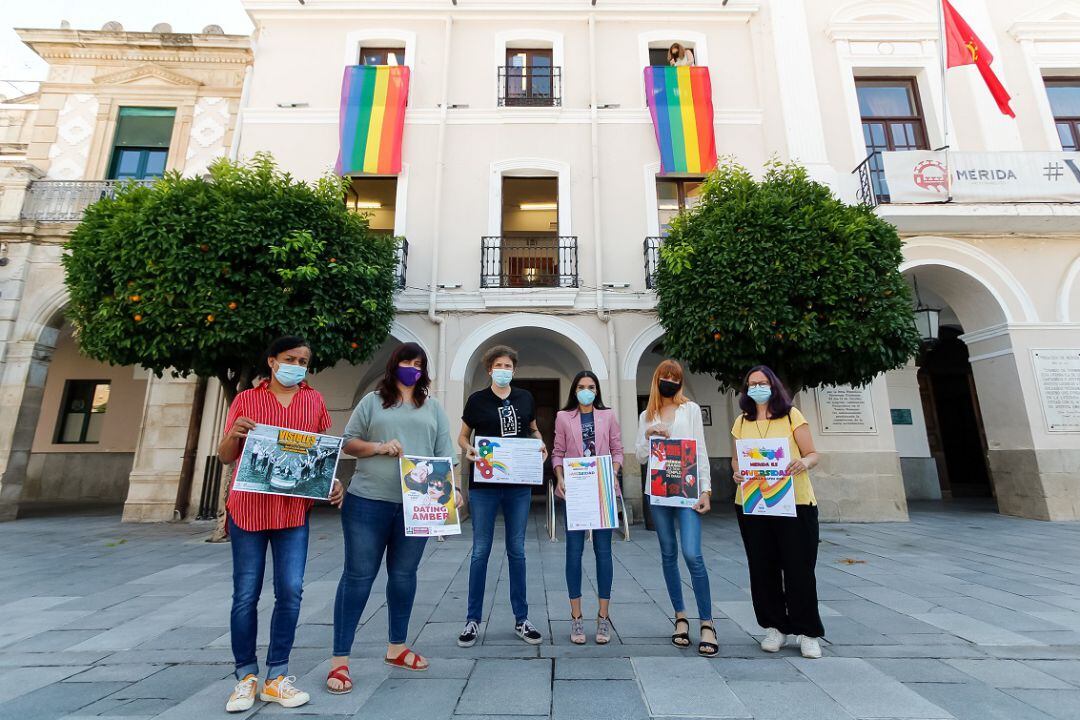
(652, 260)
(534, 86)
(872, 187)
(528, 261)
(402, 262)
(65, 200)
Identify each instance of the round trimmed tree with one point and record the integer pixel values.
(196, 275)
(779, 271)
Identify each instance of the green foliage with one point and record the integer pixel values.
(780, 272)
(199, 275)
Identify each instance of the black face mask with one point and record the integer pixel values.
(669, 388)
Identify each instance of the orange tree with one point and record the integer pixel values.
(197, 275)
(779, 271)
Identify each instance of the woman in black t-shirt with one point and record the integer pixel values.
(498, 411)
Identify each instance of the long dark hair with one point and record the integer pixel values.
(571, 399)
(282, 344)
(779, 404)
(388, 389)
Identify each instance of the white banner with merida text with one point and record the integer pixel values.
(925, 176)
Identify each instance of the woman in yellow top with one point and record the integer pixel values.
(780, 551)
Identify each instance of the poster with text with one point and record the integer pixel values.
(515, 461)
(673, 472)
(428, 496)
(590, 493)
(279, 461)
(766, 487)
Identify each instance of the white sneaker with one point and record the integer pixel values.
(243, 695)
(774, 640)
(809, 647)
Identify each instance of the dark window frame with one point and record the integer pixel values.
(1072, 121)
(70, 386)
(384, 51)
(918, 120)
(526, 74)
(680, 183)
(144, 151)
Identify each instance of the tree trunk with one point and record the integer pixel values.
(191, 449)
(231, 386)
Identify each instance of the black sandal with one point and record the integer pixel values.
(708, 649)
(681, 639)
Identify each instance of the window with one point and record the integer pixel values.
(529, 78)
(82, 411)
(376, 198)
(892, 119)
(673, 196)
(382, 56)
(142, 140)
(1064, 94)
(659, 55)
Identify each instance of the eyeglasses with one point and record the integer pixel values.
(759, 385)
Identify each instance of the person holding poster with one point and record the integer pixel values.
(670, 414)
(499, 410)
(399, 417)
(586, 428)
(780, 551)
(427, 491)
(257, 520)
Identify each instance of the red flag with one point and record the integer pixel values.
(965, 48)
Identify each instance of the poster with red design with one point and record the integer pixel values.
(673, 472)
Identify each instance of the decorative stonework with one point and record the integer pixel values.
(209, 122)
(148, 70)
(74, 127)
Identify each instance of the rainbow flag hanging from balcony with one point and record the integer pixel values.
(372, 119)
(680, 102)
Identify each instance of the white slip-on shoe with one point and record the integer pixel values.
(774, 640)
(810, 647)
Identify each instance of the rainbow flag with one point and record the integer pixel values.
(372, 119)
(680, 102)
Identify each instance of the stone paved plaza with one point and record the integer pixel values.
(961, 613)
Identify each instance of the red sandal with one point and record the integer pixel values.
(341, 674)
(399, 661)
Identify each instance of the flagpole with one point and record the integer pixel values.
(942, 58)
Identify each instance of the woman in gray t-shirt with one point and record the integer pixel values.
(398, 418)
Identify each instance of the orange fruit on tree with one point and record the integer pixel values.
(204, 247)
(232, 306)
(209, 318)
(135, 298)
(138, 317)
(354, 345)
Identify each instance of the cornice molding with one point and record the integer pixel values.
(148, 70)
(133, 55)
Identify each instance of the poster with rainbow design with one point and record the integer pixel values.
(513, 461)
(766, 488)
(590, 493)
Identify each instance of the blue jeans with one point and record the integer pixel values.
(484, 504)
(289, 548)
(575, 546)
(665, 519)
(371, 527)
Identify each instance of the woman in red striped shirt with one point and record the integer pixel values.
(258, 520)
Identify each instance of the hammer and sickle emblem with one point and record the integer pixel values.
(974, 50)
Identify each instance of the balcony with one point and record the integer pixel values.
(547, 261)
(65, 200)
(652, 260)
(402, 266)
(533, 86)
(872, 189)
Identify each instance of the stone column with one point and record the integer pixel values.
(22, 384)
(160, 450)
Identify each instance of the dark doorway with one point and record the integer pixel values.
(953, 420)
(548, 403)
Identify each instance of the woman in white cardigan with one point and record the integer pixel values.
(671, 414)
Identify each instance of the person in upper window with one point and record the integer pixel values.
(679, 55)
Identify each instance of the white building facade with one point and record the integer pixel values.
(532, 202)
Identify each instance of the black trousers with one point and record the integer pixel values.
(782, 554)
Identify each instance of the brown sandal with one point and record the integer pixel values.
(341, 674)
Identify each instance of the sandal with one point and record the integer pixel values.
(415, 665)
(341, 674)
(681, 639)
(705, 648)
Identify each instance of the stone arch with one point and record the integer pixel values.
(641, 344)
(1068, 305)
(472, 343)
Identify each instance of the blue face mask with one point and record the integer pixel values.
(586, 397)
(290, 375)
(502, 377)
(760, 393)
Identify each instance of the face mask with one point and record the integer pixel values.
(502, 377)
(668, 388)
(586, 397)
(760, 394)
(407, 376)
(290, 375)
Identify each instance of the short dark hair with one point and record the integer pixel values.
(388, 389)
(285, 343)
(572, 401)
(497, 351)
(780, 401)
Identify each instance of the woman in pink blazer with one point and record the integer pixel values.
(585, 428)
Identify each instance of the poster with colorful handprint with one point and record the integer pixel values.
(767, 488)
(516, 461)
(673, 472)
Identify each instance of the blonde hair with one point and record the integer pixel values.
(670, 368)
